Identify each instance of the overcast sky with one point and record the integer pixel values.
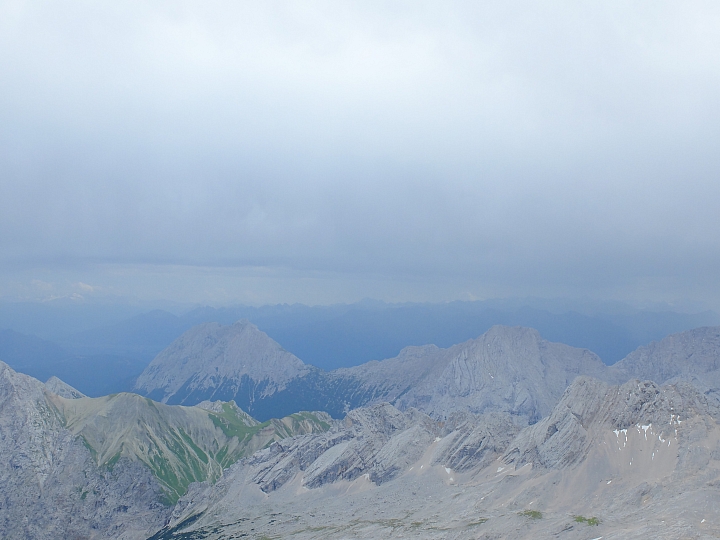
(329, 151)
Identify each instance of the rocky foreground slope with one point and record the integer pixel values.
(506, 369)
(110, 467)
(631, 461)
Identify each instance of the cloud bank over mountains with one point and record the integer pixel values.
(332, 152)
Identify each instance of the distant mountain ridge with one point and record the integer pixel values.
(507, 369)
(102, 350)
(692, 356)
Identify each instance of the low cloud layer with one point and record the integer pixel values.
(330, 151)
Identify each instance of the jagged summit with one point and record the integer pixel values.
(109, 467)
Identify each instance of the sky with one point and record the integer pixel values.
(320, 152)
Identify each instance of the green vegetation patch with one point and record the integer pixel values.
(87, 445)
(233, 425)
(532, 514)
(113, 460)
(298, 418)
(590, 521)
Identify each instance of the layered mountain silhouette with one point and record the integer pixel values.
(507, 369)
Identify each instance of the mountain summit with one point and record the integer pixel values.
(211, 361)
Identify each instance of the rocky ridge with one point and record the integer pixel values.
(692, 356)
(52, 486)
(116, 463)
(628, 461)
(506, 370)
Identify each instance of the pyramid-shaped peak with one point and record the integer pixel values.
(63, 389)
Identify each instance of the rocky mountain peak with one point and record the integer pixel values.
(508, 369)
(210, 355)
(692, 355)
(62, 389)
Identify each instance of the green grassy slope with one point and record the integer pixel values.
(179, 444)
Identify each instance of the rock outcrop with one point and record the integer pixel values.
(50, 483)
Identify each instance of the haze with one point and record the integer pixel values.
(326, 152)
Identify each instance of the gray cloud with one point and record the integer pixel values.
(397, 150)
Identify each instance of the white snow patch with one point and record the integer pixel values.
(437, 439)
(447, 470)
(500, 469)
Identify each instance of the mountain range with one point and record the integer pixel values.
(506, 369)
(101, 349)
(507, 435)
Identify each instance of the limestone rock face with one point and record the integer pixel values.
(378, 441)
(472, 441)
(692, 356)
(590, 409)
(51, 485)
(506, 369)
